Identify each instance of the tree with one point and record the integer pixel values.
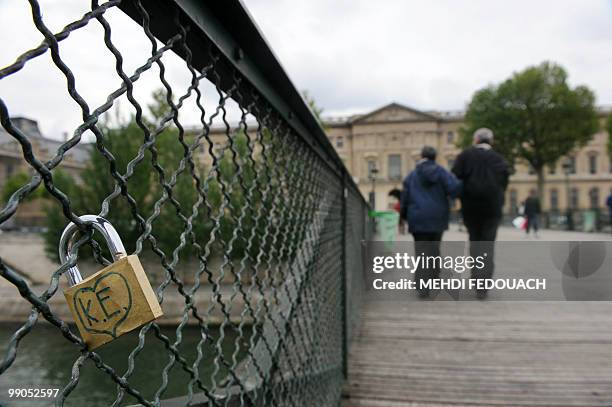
(15, 182)
(247, 188)
(535, 115)
(314, 108)
(54, 218)
(160, 107)
(123, 138)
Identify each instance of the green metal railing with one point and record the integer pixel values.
(273, 224)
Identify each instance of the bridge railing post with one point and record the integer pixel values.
(345, 282)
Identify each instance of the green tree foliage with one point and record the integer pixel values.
(245, 188)
(15, 182)
(160, 108)
(124, 141)
(250, 191)
(55, 219)
(535, 115)
(314, 108)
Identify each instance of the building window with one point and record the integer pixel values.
(572, 165)
(450, 137)
(513, 201)
(574, 198)
(395, 166)
(552, 169)
(339, 142)
(371, 166)
(531, 169)
(554, 199)
(451, 163)
(594, 197)
(592, 164)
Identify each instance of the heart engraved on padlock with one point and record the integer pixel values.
(114, 300)
(102, 320)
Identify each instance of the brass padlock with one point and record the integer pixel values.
(114, 300)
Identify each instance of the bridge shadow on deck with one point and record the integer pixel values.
(424, 353)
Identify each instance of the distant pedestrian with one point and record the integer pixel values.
(485, 175)
(609, 205)
(425, 207)
(397, 195)
(532, 213)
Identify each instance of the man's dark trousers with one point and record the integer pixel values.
(482, 232)
(427, 243)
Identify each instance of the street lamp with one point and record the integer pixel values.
(372, 176)
(568, 168)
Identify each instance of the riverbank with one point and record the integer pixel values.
(24, 253)
(15, 309)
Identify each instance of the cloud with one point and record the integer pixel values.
(432, 55)
(352, 55)
(40, 89)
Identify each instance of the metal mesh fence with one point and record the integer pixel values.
(250, 232)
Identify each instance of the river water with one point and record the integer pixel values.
(45, 359)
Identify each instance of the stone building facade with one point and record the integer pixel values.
(390, 139)
(30, 213)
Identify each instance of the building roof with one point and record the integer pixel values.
(342, 121)
(417, 115)
(79, 153)
(437, 115)
(396, 106)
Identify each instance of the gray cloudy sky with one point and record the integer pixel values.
(358, 54)
(352, 55)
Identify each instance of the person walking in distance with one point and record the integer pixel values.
(609, 205)
(424, 205)
(485, 174)
(532, 213)
(397, 195)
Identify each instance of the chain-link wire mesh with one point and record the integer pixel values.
(250, 232)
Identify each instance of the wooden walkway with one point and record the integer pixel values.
(424, 353)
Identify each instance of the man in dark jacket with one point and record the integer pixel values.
(425, 207)
(532, 212)
(485, 175)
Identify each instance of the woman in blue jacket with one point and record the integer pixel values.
(425, 205)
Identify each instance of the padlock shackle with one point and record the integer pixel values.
(111, 237)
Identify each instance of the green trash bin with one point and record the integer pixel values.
(386, 224)
(589, 219)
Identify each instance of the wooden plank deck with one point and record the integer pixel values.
(425, 353)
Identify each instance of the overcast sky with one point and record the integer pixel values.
(352, 55)
(358, 54)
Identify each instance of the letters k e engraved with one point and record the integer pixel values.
(113, 301)
(103, 304)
